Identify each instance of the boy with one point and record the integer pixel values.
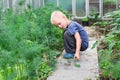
(75, 37)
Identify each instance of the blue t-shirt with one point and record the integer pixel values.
(76, 27)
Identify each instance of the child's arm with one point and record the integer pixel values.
(78, 46)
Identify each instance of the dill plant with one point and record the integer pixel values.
(29, 44)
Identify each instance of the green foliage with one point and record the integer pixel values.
(109, 58)
(29, 44)
(85, 19)
(93, 15)
(104, 26)
(95, 44)
(76, 64)
(109, 1)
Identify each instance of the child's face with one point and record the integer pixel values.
(61, 22)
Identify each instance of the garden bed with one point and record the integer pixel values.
(109, 47)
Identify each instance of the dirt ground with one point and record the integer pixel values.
(85, 69)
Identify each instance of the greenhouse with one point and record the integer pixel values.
(59, 39)
(79, 8)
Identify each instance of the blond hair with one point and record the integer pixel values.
(55, 15)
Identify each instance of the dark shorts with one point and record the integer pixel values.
(70, 43)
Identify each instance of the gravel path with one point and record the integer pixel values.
(85, 69)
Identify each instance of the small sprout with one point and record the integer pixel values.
(77, 64)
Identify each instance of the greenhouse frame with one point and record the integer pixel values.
(78, 8)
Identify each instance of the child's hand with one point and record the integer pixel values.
(77, 56)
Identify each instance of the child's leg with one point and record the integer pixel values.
(69, 43)
(84, 45)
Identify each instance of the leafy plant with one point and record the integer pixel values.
(85, 19)
(109, 1)
(93, 15)
(109, 58)
(29, 44)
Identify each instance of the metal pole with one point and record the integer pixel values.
(117, 4)
(38, 3)
(35, 5)
(43, 2)
(87, 7)
(58, 3)
(3, 5)
(101, 8)
(30, 2)
(74, 7)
